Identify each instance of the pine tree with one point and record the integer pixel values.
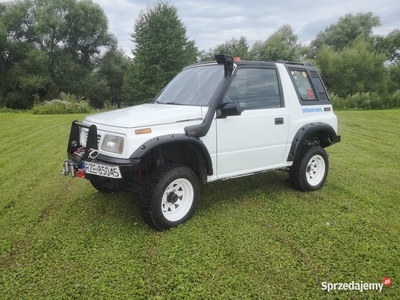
(161, 50)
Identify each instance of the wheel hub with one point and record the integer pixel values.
(172, 197)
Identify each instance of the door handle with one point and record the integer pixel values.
(279, 121)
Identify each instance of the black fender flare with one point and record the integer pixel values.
(148, 146)
(308, 130)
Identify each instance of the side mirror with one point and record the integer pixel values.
(228, 109)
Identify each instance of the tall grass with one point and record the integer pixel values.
(251, 238)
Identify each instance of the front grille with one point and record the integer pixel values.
(84, 137)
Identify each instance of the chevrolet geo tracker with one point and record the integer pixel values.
(213, 121)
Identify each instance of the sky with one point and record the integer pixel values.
(210, 23)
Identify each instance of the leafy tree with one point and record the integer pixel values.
(87, 32)
(235, 47)
(395, 78)
(23, 67)
(345, 31)
(51, 27)
(17, 18)
(95, 88)
(355, 69)
(161, 50)
(390, 46)
(50, 46)
(112, 68)
(280, 45)
(3, 53)
(28, 79)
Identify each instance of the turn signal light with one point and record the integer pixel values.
(143, 131)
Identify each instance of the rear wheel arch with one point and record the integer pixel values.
(312, 134)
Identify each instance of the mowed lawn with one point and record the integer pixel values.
(251, 238)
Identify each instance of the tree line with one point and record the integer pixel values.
(350, 58)
(49, 47)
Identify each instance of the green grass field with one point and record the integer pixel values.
(251, 238)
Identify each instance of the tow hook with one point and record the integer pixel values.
(93, 153)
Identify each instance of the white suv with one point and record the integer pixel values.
(213, 121)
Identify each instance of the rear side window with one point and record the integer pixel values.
(309, 86)
(303, 84)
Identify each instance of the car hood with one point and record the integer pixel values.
(146, 115)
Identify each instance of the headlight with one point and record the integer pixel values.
(112, 143)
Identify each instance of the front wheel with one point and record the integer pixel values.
(169, 197)
(310, 170)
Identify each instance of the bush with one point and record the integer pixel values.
(366, 101)
(355, 69)
(394, 99)
(108, 105)
(4, 109)
(67, 104)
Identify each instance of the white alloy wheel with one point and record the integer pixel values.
(315, 170)
(169, 197)
(177, 199)
(310, 169)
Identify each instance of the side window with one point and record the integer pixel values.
(254, 89)
(303, 85)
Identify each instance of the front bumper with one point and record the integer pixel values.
(128, 167)
(78, 155)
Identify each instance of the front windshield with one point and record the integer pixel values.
(193, 86)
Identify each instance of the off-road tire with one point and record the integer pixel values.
(169, 196)
(310, 170)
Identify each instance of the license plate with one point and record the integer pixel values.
(101, 170)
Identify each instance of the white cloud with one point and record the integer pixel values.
(213, 22)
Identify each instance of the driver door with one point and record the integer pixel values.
(256, 139)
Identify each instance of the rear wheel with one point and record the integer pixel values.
(169, 197)
(310, 170)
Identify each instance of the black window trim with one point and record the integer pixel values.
(307, 102)
(273, 67)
